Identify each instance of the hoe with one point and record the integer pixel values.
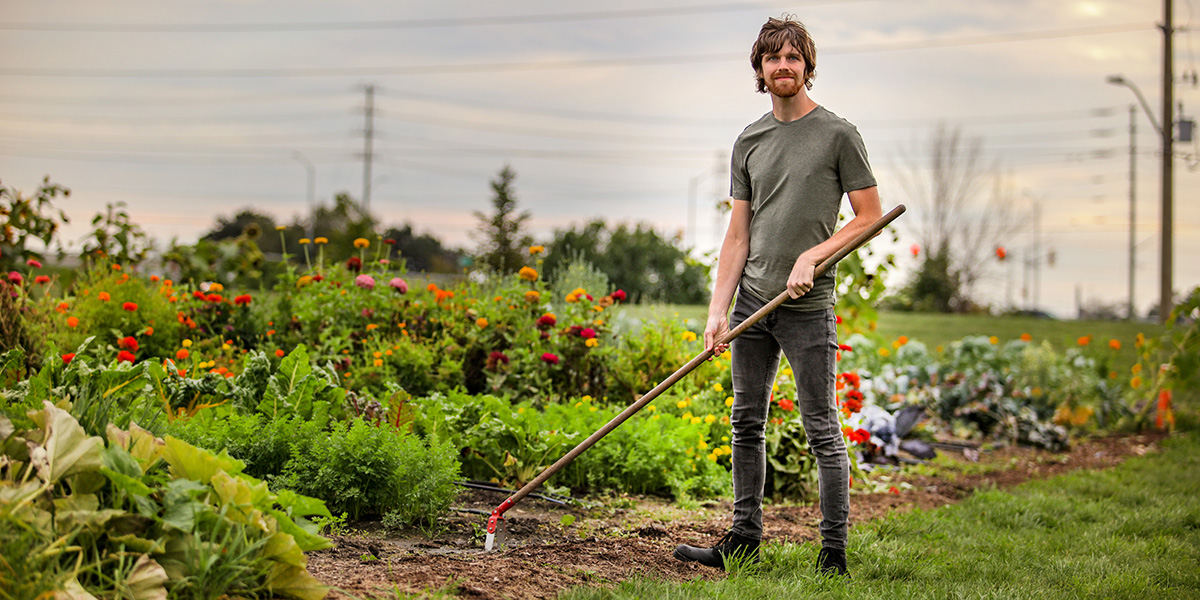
(495, 526)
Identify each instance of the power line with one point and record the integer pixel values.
(499, 20)
(549, 65)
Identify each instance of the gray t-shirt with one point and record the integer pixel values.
(794, 176)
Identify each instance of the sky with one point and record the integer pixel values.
(626, 111)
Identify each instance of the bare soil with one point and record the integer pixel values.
(624, 537)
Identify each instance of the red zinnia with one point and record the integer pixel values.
(128, 343)
(199, 295)
(34, 263)
(243, 299)
(125, 356)
(68, 357)
(42, 279)
(354, 264)
(550, 358)
(787, 404)
(587, 333)
(129, 306)
(619, 295)
(546, 321)
(845, 348)
(389, 241)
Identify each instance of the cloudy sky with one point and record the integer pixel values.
(620, 110)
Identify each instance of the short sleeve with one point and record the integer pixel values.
(739, 173)
(854, 170)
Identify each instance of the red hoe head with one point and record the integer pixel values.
(495, 527)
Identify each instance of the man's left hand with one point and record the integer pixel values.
(800, 281)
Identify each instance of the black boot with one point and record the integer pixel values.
(732, 546)
(831, 561)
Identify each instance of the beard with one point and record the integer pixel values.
(783, 89)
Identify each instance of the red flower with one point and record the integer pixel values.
(279, 353)
(587, 333)
(34, 263)
(546, 321)
(243, 299)
(915, 249)
(126, 356)
(129, 306)
(495, 359)
(1001, 253)
(861, 435)
(318, 277)
(839, 319)
(389, 241)
(787, 404)
(15, 277)
(68, 357)
(199, 295)
(42, 279)
(852, 378)
(618, 295)
(354, 264)
(128, 343)
(214, 298)
(845, 348)
(550, 358)
(894, 490)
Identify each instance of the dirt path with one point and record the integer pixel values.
(608, 545)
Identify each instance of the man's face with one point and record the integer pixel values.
(783, 71)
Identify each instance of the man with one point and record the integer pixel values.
(790, 169)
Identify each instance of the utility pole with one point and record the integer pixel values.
(1132, 207)
(368, 134)
(1166, 296)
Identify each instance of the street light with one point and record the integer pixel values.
(1166, 133)
(312, 179)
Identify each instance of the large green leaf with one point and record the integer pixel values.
(292, 370)
(140, 444)
(181, 507)
(289, 575)
(68, 448)
(190, 462)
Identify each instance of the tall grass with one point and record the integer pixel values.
(1130, 532)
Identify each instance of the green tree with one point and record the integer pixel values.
(422, 252)
(23, 218)
(116, 236)
(501, 239)
(648, 266)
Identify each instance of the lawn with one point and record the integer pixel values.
(935, 329)
(1129, 532)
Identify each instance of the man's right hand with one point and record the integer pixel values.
(717, 328)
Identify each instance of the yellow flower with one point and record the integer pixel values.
(528, 274)
(729, 401)
(532, 296)
(481, 322)
(572, 297)
(535, 250)
(586, 398)
(1135, 383)
(280, 227)
(884, 352)
(593, 409)
(186, 343)
(225, 346)
(520, 410)
(598, 322)
(689, 336)
(718, 387)
(686, 415)
(304, 280)
(696, 420)
(787, 371)
(702, 445)
(1136, 368)
(305, 241)
(592, 343)
(362, 243)
(372, 327)
(651, 408)
(216, 287)
(321, 240)
(709, 419)
(598, 308)
(681, 404)
(994, 340)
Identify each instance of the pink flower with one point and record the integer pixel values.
(550, 358)
(587, 333)
(15, 277)
(619, 295)
(399, 285)
(34, 263)
(365, 282)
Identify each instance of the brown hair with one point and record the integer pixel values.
(774, 34)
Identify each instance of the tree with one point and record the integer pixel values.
(423, 252)
(957, 224)
(649, 267)
(501, 239)
(23, 218)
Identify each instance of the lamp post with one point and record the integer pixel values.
(1165, 131)
(312, 180)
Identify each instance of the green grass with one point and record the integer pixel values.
(1130, 532)
(935, 329)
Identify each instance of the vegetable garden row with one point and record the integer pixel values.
(178, 439)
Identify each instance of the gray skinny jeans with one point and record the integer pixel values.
(809, 340)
